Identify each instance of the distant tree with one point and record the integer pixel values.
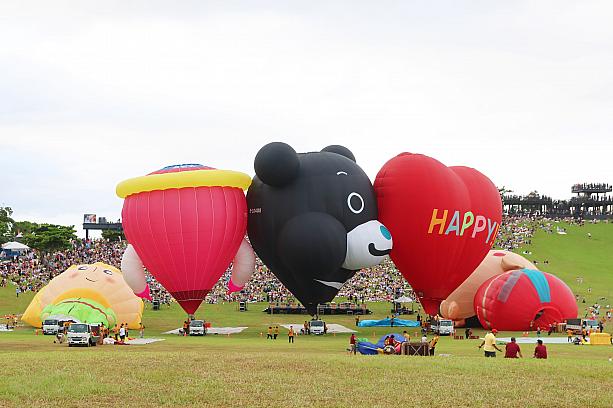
(24, 227)
(503, 192)
(6, 224)
(113, 235)
(49, 238)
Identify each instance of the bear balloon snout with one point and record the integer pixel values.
(367, 245)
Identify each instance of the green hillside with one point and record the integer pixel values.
(581, 262)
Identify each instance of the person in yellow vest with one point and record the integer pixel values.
(433, 344)
(116, 332)
(291, 334)
(569, 333)
(101, 333)
(276, 332)
(269, 334)
(489, 344)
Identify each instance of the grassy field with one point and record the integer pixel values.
(574, 256)
(248, 370)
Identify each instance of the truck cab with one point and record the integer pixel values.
(81, 334)
(317, 327)
(197, 328)
(51, 326)
(442, 327)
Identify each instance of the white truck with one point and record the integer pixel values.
(51, 326)
(317, 327)
(442, 327)
(197, 328)
(82, 334)
(577, 325)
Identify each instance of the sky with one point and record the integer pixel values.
(92, 93)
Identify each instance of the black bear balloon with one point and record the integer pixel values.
(313, 220)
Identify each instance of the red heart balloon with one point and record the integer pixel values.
(444, 220)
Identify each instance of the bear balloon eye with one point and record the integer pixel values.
(355, 202)
(108, 272)
(82, 268)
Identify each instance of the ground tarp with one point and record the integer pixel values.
(332, 328)
(388, 323)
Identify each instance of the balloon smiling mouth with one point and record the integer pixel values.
(335, 285)
(91, 280)
(376, 252)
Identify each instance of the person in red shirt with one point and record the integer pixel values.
(512, 349)
(352, 346)
(540, 351)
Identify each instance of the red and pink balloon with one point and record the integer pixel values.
(186, 223)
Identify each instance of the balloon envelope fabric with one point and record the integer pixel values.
(443, 219)
(524, 300)
(186, 223)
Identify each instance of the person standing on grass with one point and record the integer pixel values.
(276, 332)
(142, 330)
(540, 351)
(489, 344)
(122, 333)
(512, 349)
(569, 333)
(352, 344)
(433, 343)
(290, 334)
(269, 333)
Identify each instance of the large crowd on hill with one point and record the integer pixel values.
(31, 272)
(380, 283)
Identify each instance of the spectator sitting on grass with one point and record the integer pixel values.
(540, 351)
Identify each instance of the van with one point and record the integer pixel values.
(82, 334)
(442, 327)
(51, 326)
(317, 327)
(197, 328)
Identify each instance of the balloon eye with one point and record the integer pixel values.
(82, 268)
(355, 202)
(108, 272)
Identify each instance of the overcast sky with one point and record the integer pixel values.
(92, 93)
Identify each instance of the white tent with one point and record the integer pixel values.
(403, 299)
(15, 246)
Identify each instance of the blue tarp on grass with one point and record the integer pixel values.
(388, 323)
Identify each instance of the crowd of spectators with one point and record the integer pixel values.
(32, 271)
(383, 282)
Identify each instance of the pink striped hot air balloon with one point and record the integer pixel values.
(186, 224)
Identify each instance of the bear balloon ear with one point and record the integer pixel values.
(276, 164)
(342, 150)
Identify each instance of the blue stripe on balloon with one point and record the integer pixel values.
(540, 284)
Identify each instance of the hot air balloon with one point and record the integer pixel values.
(524, 299)
(459, 304)
(443, 219)
(90, 293)
(186, 223)
(313, 220)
